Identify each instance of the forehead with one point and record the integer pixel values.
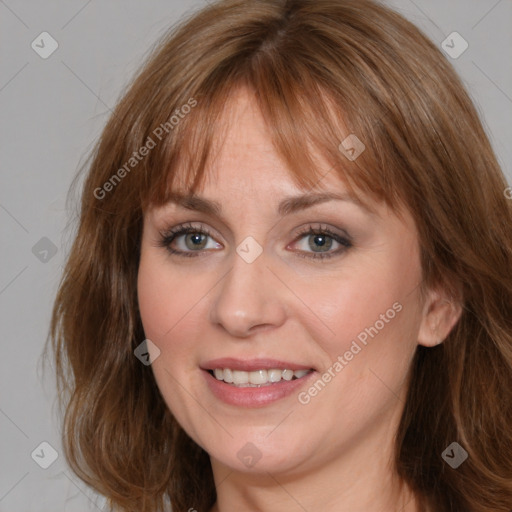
(242, 151)
(245, 159)
(245, 172)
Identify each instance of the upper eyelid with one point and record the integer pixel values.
(316, 226)
(177, 210)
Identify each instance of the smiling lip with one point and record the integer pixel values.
(251, 365)
(253, 396)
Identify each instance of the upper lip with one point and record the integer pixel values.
(250, 365)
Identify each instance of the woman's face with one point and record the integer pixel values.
(254, 298)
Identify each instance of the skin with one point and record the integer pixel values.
(334, 453)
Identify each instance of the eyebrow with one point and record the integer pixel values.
(287, 206)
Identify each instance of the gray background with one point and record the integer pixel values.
(52, 111)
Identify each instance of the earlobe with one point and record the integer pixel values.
(440, 314)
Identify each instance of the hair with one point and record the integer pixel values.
(319, 70)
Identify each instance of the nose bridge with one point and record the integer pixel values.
(247, 296)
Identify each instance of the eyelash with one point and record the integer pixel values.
(167, 237)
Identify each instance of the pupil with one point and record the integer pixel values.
(321, 242)
(196, 240)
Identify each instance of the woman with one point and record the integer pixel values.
(290, 286)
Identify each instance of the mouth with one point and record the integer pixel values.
(255, 382)
(257, 378)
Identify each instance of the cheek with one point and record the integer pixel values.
(173, 307)
(155, 303)
(166, 297)
(372, 318)
(167, 303)
(375, 299)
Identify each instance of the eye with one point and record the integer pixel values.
(193, 241)
(323, 239)
(190, 240)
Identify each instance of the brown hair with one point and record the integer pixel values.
(320, 70)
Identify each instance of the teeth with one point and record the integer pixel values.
(287, 374)
(274, 375)
(240, 377)
(256, 378)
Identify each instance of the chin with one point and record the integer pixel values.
(242, 455)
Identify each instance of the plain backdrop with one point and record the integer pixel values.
(52, 111)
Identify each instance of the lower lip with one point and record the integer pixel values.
(254, 397)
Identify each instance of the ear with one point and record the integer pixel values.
(440, 314)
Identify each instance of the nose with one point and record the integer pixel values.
(248, 299)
